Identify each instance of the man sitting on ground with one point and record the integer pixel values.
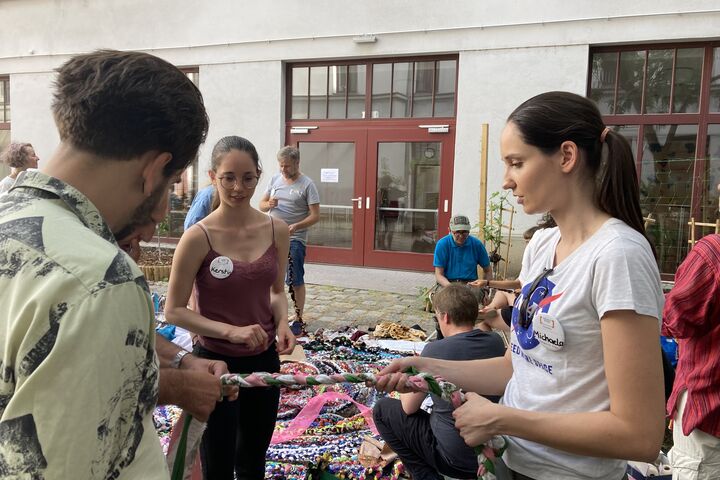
(428, 444)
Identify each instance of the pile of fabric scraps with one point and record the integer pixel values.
(398, 332)
(177, 335)
(328, 448)
(165, 417)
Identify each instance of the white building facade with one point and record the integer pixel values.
(388, 101)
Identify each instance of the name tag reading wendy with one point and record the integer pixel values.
(221, 267)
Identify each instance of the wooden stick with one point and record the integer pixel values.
(483, 179)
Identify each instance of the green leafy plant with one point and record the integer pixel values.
(163, 227)
(492, 229)
(424, 297)
(162, 230)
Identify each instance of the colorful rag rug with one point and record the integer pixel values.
(328, 446)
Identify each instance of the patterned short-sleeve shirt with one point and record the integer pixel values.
(78, 370)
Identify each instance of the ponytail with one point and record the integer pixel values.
(548, 119)
(617, 191)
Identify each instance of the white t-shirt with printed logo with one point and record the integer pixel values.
(613, 270)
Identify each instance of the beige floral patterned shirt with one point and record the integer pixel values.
(78, 370)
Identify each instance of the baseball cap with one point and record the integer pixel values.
(459, 222)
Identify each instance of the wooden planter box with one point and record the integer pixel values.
(156, 273)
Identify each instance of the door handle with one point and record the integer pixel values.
(367, 203)
(445, 207)
(359, 200)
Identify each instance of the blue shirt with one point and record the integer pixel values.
(200, 206)
(460, 262)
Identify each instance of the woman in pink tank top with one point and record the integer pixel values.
(235, 258)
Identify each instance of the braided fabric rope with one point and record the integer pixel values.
(417, 381)
(420, 382)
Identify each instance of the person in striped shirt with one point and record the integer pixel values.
(692, 316)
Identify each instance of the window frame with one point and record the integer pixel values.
(369, 63)
(702, 119)
(5, 84)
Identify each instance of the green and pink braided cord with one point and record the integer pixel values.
(417, 381)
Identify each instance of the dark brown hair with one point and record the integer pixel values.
(458, 302)
(222, 148)
(549, 119)
(545, 222)
(123, 104)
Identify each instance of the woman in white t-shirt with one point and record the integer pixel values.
(19, 157)
(582, 380)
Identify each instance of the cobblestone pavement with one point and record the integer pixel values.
(333, 307)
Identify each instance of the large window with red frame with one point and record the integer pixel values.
(372, 89)
(665, 99)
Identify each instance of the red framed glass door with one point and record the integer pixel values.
(385, 193)
(408, 195)
(335, 160)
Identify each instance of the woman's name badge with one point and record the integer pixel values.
(548, 331)
(221, 267)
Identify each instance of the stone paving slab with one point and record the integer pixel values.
(362, 279)
(333, 307)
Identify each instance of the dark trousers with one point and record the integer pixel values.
(238, 433)
(411, 437)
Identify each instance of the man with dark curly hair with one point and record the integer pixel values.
(79, 377)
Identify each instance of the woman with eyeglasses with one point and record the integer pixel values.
(236, 258)
(582, 381)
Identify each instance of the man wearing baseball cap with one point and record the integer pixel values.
(457, 256)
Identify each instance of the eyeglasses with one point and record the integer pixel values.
(461, 232)
(229, 182)
(523, 318)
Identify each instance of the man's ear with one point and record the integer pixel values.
(153, 172)
(569, 156)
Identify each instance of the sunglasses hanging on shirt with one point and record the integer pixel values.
(523, 318)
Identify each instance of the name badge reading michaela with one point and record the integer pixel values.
(548, 331)
(221, 267)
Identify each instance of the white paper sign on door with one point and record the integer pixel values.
(329, 175)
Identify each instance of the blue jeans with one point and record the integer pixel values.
(296, 263)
